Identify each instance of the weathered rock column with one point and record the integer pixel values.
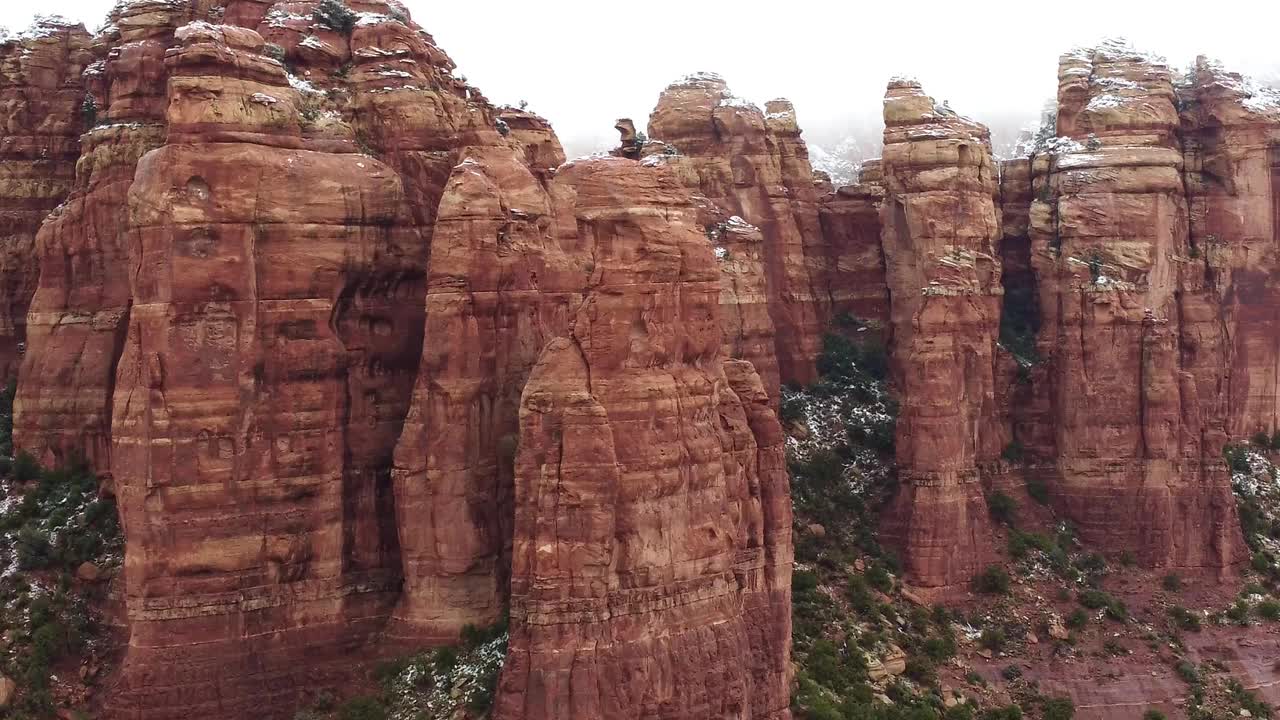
(652, 544)
(42, 113)
(939, 230)
(1131, 329)
(258, 398)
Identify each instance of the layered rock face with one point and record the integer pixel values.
(753, 164)
(499, 287)
(854, 273)
(292, 314)
(939, 233)
(744, 298)
(651, 563)
(79, 313)
(1231, 132)
(42, 113)
(273, 336)
(1137, 356)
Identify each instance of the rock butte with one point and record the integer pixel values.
(365, 361)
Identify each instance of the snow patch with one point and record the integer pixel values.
(280, 19)
(739, 103)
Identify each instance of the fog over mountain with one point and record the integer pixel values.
(584, 64)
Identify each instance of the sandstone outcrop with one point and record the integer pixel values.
(499, 288)
(853, 276)
(42, 113)
(753, 164)
(1132, 335)
(744, 298)
(273, 337)
(79, 313)
(1231, 132)
(939, 230)
(650, 489)
(290, 308)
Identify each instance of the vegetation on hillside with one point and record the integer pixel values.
(52, 522)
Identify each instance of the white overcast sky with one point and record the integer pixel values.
(583, 63)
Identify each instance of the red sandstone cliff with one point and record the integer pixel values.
(79, 313)
(853, 276)
(292, 305)
(1231, 132)
(1132, 335)
(753, 164)
(939, 233)
(42, 113)
(649, 483)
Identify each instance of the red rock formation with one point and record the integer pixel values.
(652, 554)
(939, 232)
(1231, 132)
(80, 310)
(533, 134)
(754, 165)
(1131, 332)
(854, 274)
(42, 114)
(274, 333)
(499, 288)
(744, 300)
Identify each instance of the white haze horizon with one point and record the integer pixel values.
(584, 64)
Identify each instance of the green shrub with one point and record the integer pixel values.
(1008, 712)
(34, 551)
(1113, 647)
(1172, 582)
(1261, 562)
(845, 358)
(792, 408)
(1099, 600)
(1153, 714)
(1011, 672)
(1014, 452)
(803, 581)
(1038, 489)
(992, 639)
(1058, 708)
(273, 51)
(362, 708)
(1185, 619)
(992, 581)
(1237, 459)
(940, 648)
(335, 15)
(1269, 609)
(25, 467)
(1003, 508)
(879, 578)
(1077, 620)
(1262, 440)
(1093, 599)
(860, 595)
(1239, 612)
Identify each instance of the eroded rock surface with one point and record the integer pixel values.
(752, 163)
(272, 341)
(650, 490)
(42, 113)
(939, 230)
(1138, 358)
(79, 313)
